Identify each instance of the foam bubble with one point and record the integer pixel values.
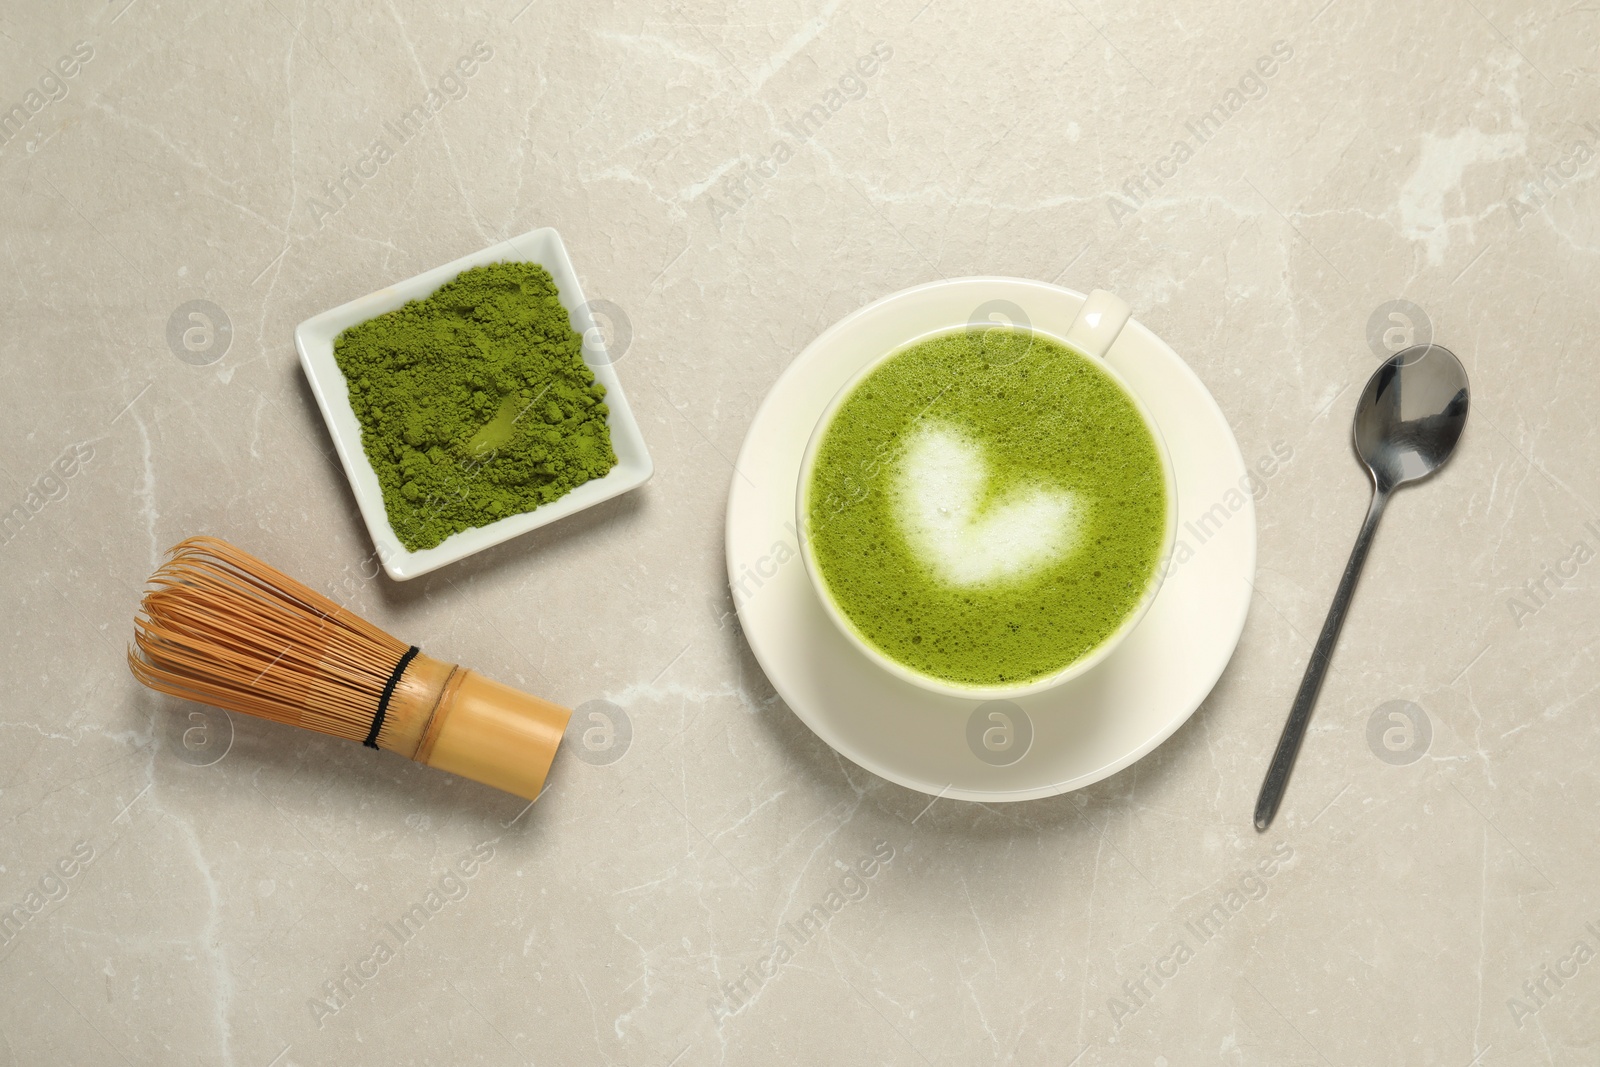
(939, 489)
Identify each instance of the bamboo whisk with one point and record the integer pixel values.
(221, 627)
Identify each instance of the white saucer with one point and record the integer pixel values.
(1038, 746)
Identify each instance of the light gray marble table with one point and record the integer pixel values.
(1260, 181)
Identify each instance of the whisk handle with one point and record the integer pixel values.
(493, 734)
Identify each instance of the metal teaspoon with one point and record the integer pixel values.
(1407, 423)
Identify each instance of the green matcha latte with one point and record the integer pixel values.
(987, 507)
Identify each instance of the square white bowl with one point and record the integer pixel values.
(314, 340)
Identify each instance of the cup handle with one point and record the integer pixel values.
(1099, 321)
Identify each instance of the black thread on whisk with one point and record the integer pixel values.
(388, 691)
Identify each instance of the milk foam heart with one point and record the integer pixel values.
(941, 491)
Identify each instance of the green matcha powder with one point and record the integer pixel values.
(475, 403)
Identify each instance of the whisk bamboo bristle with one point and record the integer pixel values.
(221, 627)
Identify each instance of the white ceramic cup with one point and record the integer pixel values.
(1092, 333)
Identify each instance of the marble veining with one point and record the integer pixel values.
(1284, 192)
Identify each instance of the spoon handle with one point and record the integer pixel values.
(1300, 714)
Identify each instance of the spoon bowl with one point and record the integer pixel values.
(1410, 415)
(1407, 423)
